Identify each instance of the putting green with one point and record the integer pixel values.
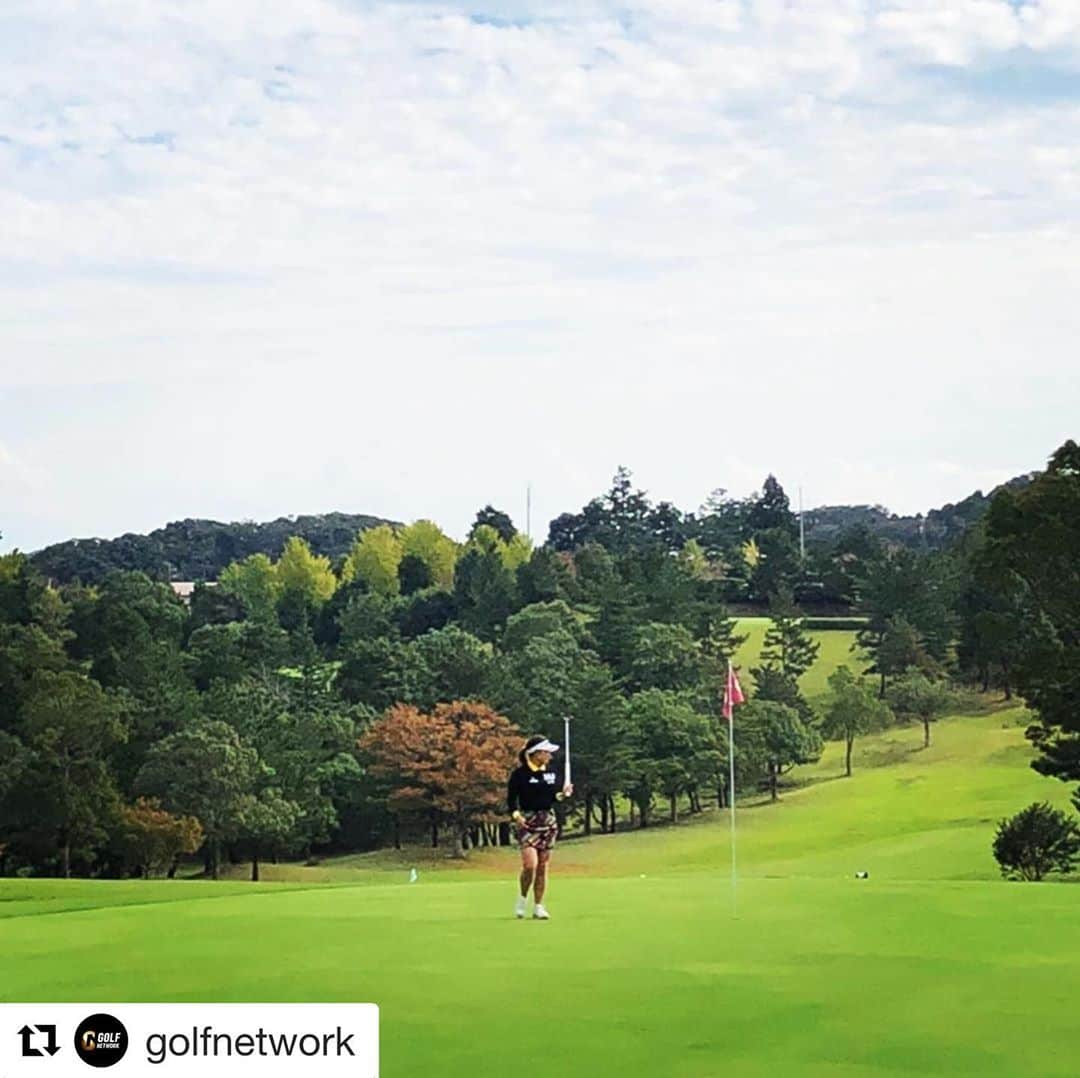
(930, 966)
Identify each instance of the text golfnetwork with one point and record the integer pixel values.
(205, 1043)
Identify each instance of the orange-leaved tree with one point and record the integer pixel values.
(452, 763)
(153, 839)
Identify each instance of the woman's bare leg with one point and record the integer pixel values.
(528, 869)
(540, 884)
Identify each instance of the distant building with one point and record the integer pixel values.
(184, 589)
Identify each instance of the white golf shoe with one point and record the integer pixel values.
(519, 907)
(541, 914)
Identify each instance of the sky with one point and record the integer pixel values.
(405, 258)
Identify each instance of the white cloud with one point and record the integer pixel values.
(955, 33)
(400, 257)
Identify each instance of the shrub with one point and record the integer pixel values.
(1039, 840)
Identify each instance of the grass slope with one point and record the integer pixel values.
(932, 966)
(835, 651)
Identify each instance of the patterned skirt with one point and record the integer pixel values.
(539, 831)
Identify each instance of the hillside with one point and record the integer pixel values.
(936, 530)
(197, 549)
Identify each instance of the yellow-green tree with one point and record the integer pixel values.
(693, 559)
(425, 540)
(514, 553)
(301, 572)
(374, 558)
(255, 582)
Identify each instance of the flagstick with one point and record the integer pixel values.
(731, 804)
(566, 742)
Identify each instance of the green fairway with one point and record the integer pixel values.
(931, 966)
(835, 651)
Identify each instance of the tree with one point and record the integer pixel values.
(851, 710)
(594, 572)
(305, 574)
(539, 619)
(424, 612)
(1038, 840)
(449, 765)
(413, 575)
(209, 605)
(619, 521)
(720, 526)
(130, 631)
(490, 517)
(995, 622)
(365, 616)
(381, 672)
(458, 663)
(916, 588)
(670, 744)
(70, 725)
(305, 738)
(14, 759)
(776, 735)
(121, 619)
(914, 696)
(266, 821)
(900, 648)
(205, 771)
(425, 540)
(33, 634)
(665, 657)
(614, 628)
(484, 588)
(715, 629)
(788, 646)
(772, 510)
(664, 588)
(776, 563)
(154, 840)
(234, 651)
(535, 686)
(544, 578)
(600, 748)
(1033, 535)
(771, 683)
(375, 559)
(256, 584)
(517, 553)
(694, 561)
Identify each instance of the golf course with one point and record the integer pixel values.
(931, 965)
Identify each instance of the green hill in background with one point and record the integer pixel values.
(197, 549)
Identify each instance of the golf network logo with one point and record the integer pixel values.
(62, 1040)
(101, 1040)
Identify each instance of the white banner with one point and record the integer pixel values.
(132, 1040)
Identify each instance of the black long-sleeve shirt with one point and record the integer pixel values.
(532, 791)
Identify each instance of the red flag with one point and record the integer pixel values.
(733, 694)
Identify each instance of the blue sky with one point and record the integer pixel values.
(403, 258)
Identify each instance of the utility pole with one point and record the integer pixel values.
(528, 511)
(802, 529)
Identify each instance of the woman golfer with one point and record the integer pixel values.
(532, 791)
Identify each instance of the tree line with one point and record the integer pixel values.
(308, 704)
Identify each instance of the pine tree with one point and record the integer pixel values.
(788, 646)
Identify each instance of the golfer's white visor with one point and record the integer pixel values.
(544, 746)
